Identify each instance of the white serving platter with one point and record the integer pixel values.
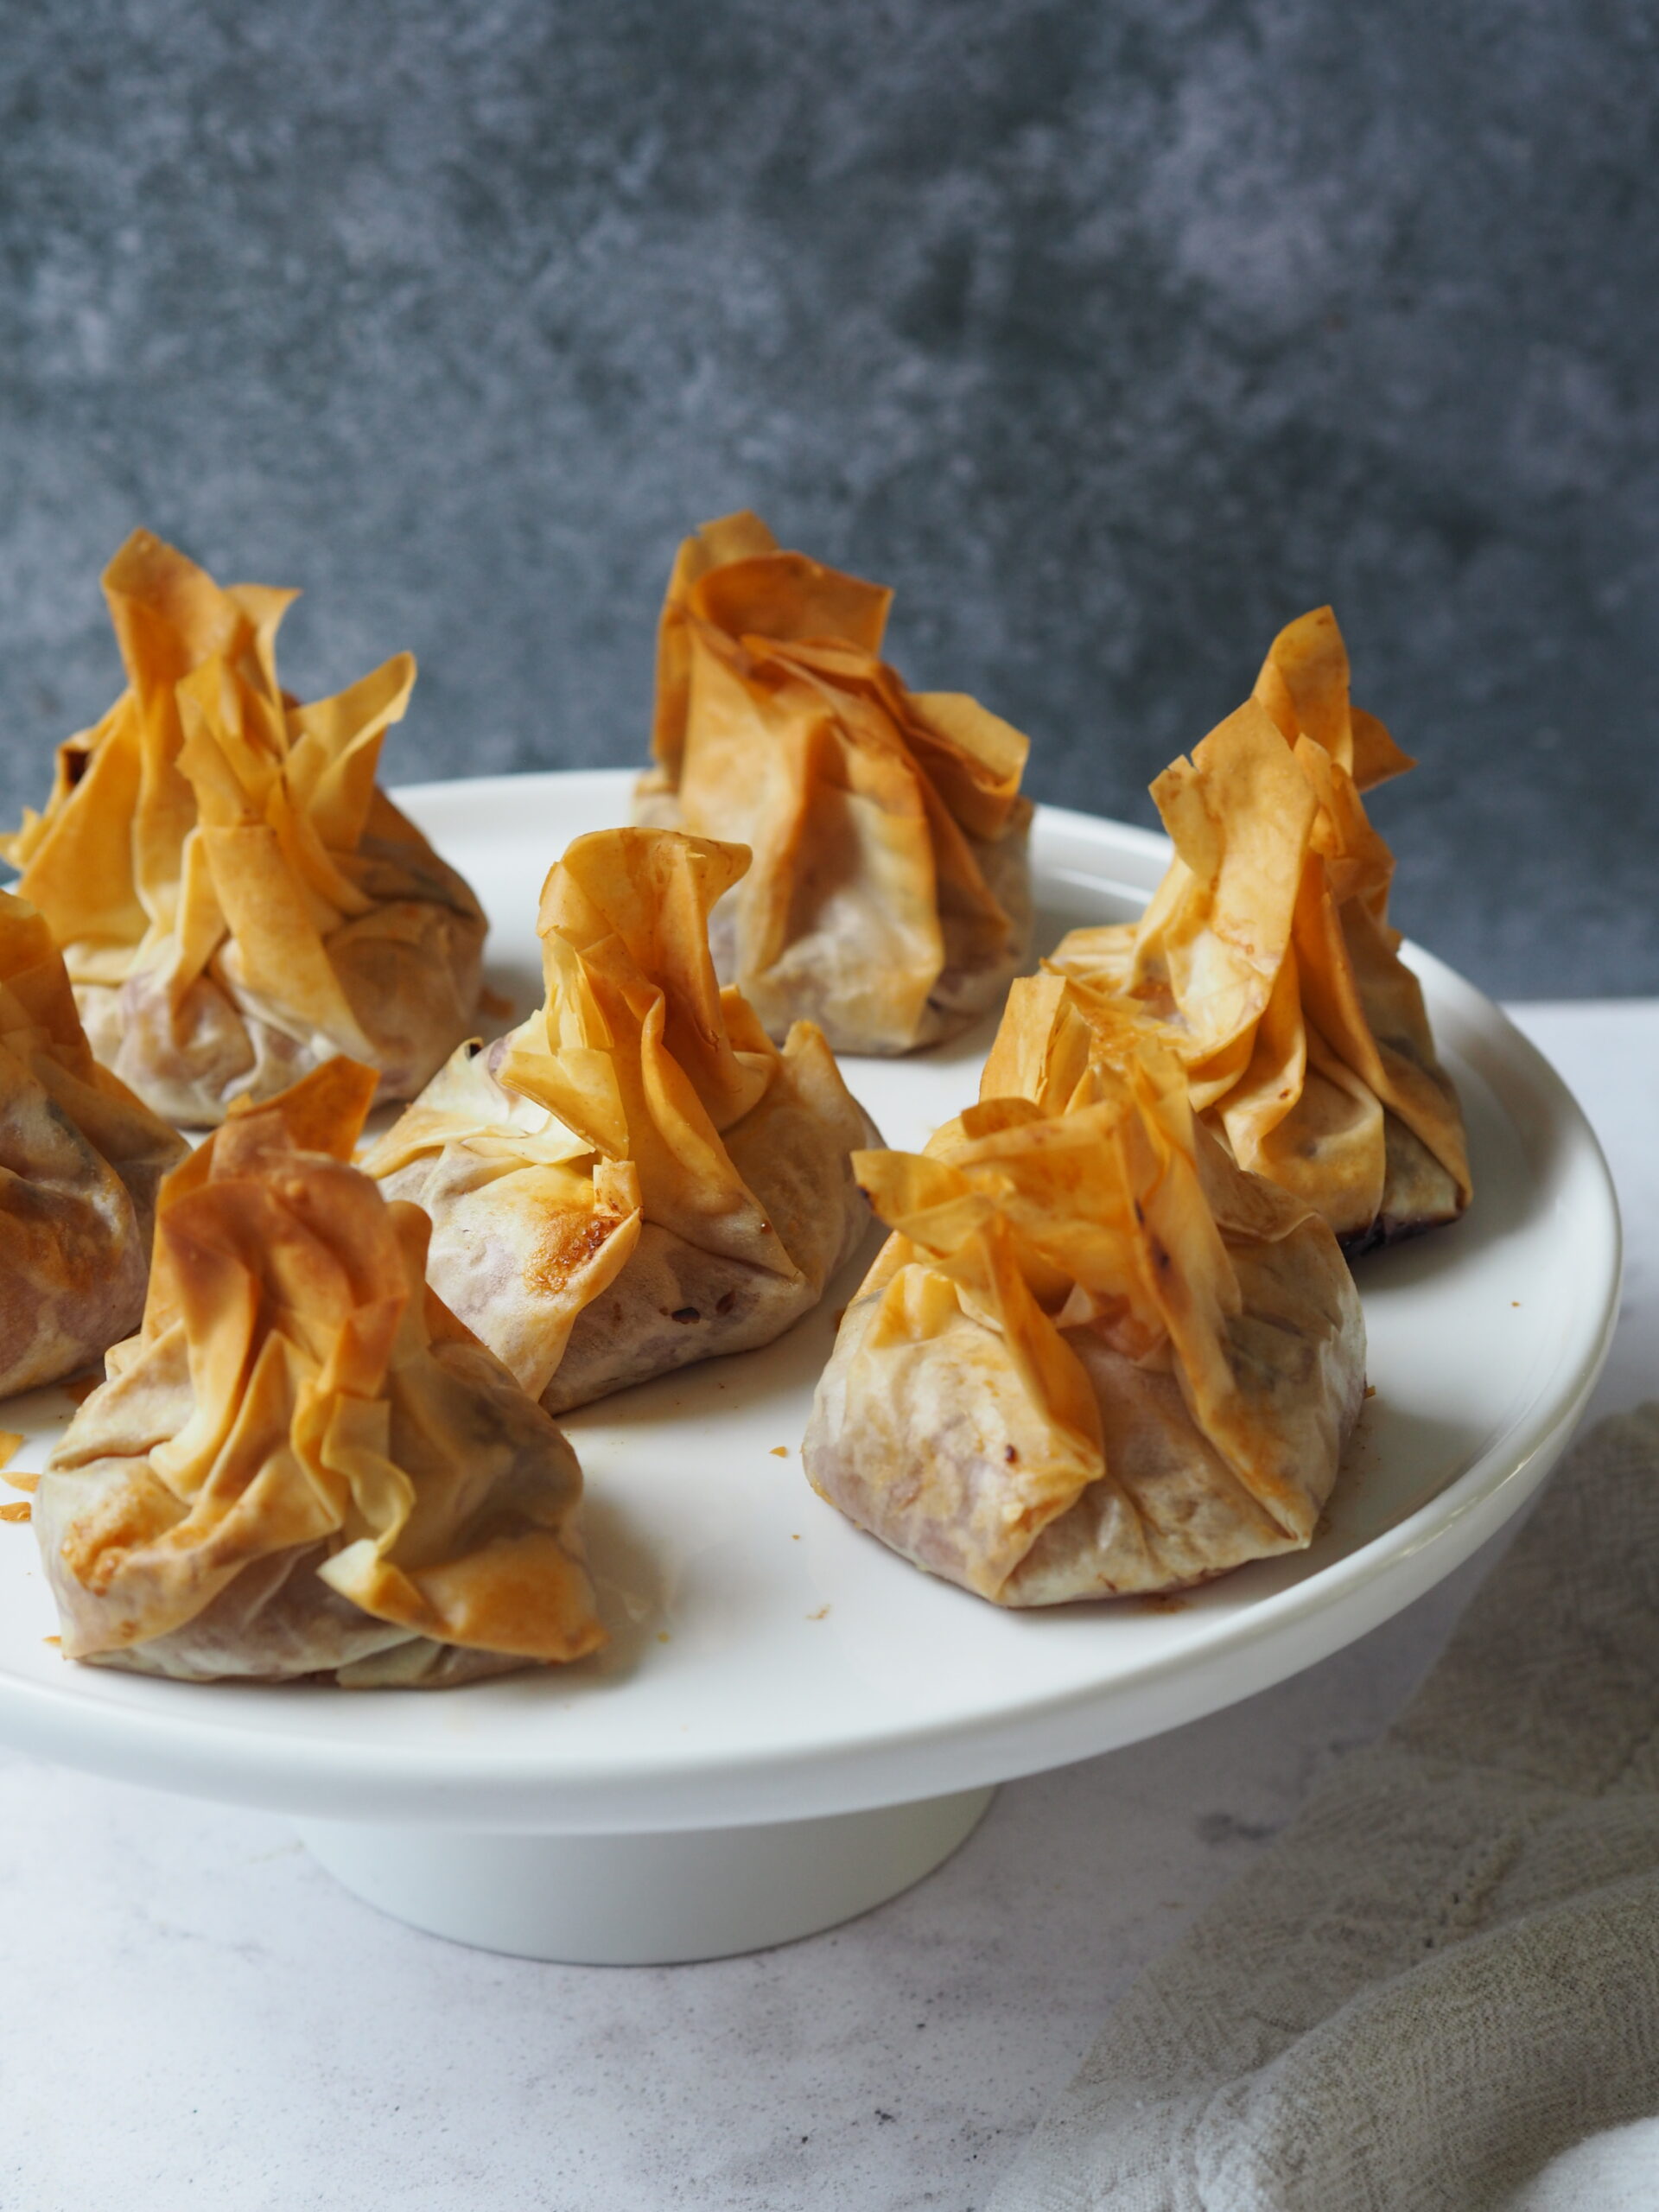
(791, 1722)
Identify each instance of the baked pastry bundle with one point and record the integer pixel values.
(1267, 958)
(890, 896)
(236, 899)
(636, 1177)
(1110, 1346)
(303, 1465)
(1095, 1357)
(80, 1161)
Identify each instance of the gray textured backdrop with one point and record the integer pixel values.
(1113, 335)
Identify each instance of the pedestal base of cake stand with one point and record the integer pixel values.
(645, 1900)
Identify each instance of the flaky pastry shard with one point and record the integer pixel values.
(80, 1162)
(235, 898)
(890, 897)
(1267, 956)
(1094, 1358)
(635, 1177)
(303, 1465)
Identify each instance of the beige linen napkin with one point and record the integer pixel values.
(1445, 1974)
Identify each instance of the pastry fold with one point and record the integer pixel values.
(302, 1464)
(1267, 958)
(237, 900)
(80, 1162)
(636, 1177)
(1094, 1358)
(890, 897)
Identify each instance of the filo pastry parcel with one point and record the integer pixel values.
(237, 900)
(636, 1177)
(890, 896)
(1095, 1357)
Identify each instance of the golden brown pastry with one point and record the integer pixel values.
(636, 1177)
(235, 898)
(1095, 1357)
(890, 897)
(81, 1159)
(1267, 956)
(302, 1464)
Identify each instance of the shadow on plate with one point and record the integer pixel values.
(714, 1389)
(518, 983)
(1398, 1459)
(627, 1575)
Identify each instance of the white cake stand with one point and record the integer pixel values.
(791, 1724)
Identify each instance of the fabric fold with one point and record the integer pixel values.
(1445, 1974)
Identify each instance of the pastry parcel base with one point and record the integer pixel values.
(890, 897)
(1267, 960)
(1044, 1413)
(636, 1178)
(303, 1465)
(237, 900)
(81, 1162)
